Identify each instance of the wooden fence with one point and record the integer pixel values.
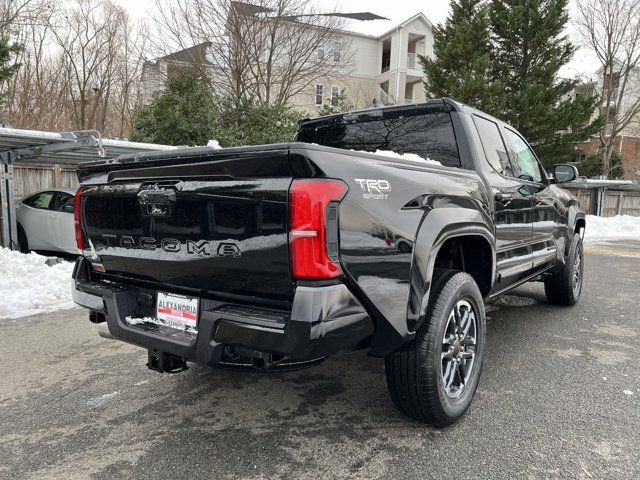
(609, 201)
(29, 178)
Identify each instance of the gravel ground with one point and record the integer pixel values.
(559, 398)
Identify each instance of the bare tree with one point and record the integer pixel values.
(268, 51)
(80, 70)
(16, 14)
(612, 29)
(36, 92)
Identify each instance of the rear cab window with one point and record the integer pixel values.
(426, 131)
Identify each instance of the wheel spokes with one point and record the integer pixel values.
(450, 374)
(468, 321)
(456, 315)
(466, 354)
(462, 371)
(468, 341)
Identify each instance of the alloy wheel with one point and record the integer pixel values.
(576, 279)
(459, 348)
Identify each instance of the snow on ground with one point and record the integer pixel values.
(620, 227)
(29, 286)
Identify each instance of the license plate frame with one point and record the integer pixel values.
(177, 311)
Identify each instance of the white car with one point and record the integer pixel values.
(45, 221)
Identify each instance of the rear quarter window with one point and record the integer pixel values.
(39, 200)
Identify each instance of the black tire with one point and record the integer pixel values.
(565, 286)
(23, 243)
(415, 373)
(404, 247)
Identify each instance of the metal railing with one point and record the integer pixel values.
(411, 60)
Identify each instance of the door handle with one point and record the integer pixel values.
(503, 197)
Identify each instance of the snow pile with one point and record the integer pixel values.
(620, 227)
(404, 156)
(29, 286)
(214, 144)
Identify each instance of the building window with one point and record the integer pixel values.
(335, 94)
(319, 91)
(336, 57)
(320, 53)
(580, 156)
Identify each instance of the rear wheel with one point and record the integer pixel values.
(23, 243)
(434, 378)
(565, 286)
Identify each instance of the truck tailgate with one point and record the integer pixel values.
(216, 234)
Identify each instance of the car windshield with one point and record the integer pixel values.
(425, 131)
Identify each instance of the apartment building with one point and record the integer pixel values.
(385, 68)
(627, 142)
(381, 70)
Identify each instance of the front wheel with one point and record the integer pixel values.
(434, 378)
(565, 286)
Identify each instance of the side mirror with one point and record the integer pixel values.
(563, 173)
(68, 208)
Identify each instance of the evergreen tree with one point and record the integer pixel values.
(187, 113)
(462, 55)
(252, 123)
(8, 65)
(184, 113)
(528, 50)
(593, 166)
(340, 105)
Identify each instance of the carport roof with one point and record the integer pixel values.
(69, 148)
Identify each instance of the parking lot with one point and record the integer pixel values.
(559, 398)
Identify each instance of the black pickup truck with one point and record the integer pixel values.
(384, 230)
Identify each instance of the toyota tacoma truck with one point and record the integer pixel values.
(384, 230)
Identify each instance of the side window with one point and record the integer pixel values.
(62, 200)
(493, 145)
(524, 157)
(41, 200)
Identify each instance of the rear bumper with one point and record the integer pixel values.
(323, 320)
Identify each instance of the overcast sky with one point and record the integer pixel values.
(582, 65)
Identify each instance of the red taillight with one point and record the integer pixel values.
(76, 220)
(308, 200)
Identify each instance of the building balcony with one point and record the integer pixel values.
(411, 60)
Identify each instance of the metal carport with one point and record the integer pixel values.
(64, 148)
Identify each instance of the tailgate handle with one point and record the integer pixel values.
(160, 196)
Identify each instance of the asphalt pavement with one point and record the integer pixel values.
(559, 398)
